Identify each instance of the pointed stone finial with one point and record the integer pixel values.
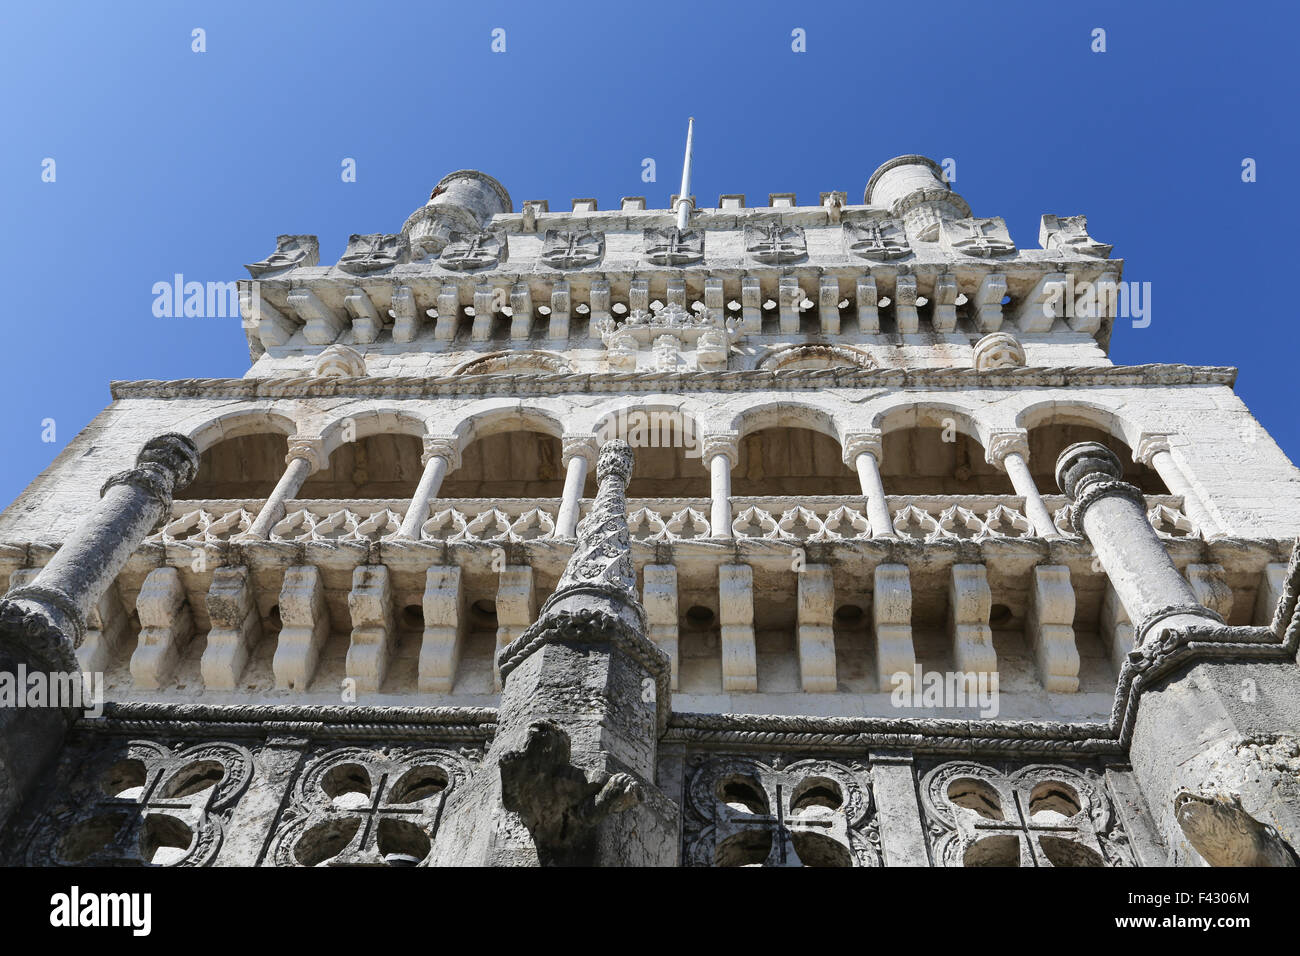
(601, 564)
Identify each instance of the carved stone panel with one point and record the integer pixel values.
(373, 253)
(981, 238)
(143, 803)
(290, 253)
(672, 247)
(993, 814)
(360, 807)
(572, 249)
(1070, 234)
(877, 239)
(740, 811)
(773, 243)
(469, 251)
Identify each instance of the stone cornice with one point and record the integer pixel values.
(407, 386)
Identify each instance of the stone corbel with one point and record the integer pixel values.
(371, 605)
(366, 322)
(166, 627)
(867, 301)
(323, 324)
(236, 628)
(406, 315)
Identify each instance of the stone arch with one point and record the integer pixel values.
(241, 454)
(509, 449)
(815, 355)
(936, 448)
(371, 450)
(790, 448)
(1054, 425)
(665, 433)
(235, 424)
(532, 360)
(787, 413)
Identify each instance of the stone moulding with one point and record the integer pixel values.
(739, 380)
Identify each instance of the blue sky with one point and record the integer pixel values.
(173, 161)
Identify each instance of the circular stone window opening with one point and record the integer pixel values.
(699, 616)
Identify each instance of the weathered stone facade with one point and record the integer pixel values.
(578, 538)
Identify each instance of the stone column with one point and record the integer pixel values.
(1009, 450)
(42, 622)
(1112, 515)
(1213, 743)
(862, 453)
(1153, 451)
(569, 779)
(441, 457)
(306, 455)
(578, 455)
(720, 451)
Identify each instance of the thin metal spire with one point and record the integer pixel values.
(683, 201)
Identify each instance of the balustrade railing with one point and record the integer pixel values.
(828, 518)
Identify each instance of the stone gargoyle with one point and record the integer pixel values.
(1224, 834)
(559, 803)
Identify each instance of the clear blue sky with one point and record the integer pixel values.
(173, 161)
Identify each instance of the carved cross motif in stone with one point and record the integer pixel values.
(772, 243)
(742, 812)
(977, 237)
(567, 249)
(358, 807)
(372, 253)
(672, 247)
(1036, 815)
(147, 806)
(877, 239)
(479, 250)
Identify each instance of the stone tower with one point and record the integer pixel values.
(805, 534)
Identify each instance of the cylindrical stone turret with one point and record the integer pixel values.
(913, 189)
(462, 202)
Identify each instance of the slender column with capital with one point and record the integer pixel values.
(305, 456)
(862, 453)
(1153, 451)
(441, 457)
(720, 452)
(578, 455)
(1112, 515)
(42, 622)
(1009, 450)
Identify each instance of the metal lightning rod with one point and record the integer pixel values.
(683, 202)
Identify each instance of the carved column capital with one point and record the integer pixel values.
(714, 444)
(442, 446)
(869, 442)
(579, 446)
(311, 450)
(1009, 441)
(165, 463)
(1150, 444)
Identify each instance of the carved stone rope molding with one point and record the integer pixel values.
(404, 386)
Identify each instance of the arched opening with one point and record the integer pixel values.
(247, 466)
(938, 460)
(665, 451)
(512, 464)
(377, 466)
(780, 461)
(1048, 440)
